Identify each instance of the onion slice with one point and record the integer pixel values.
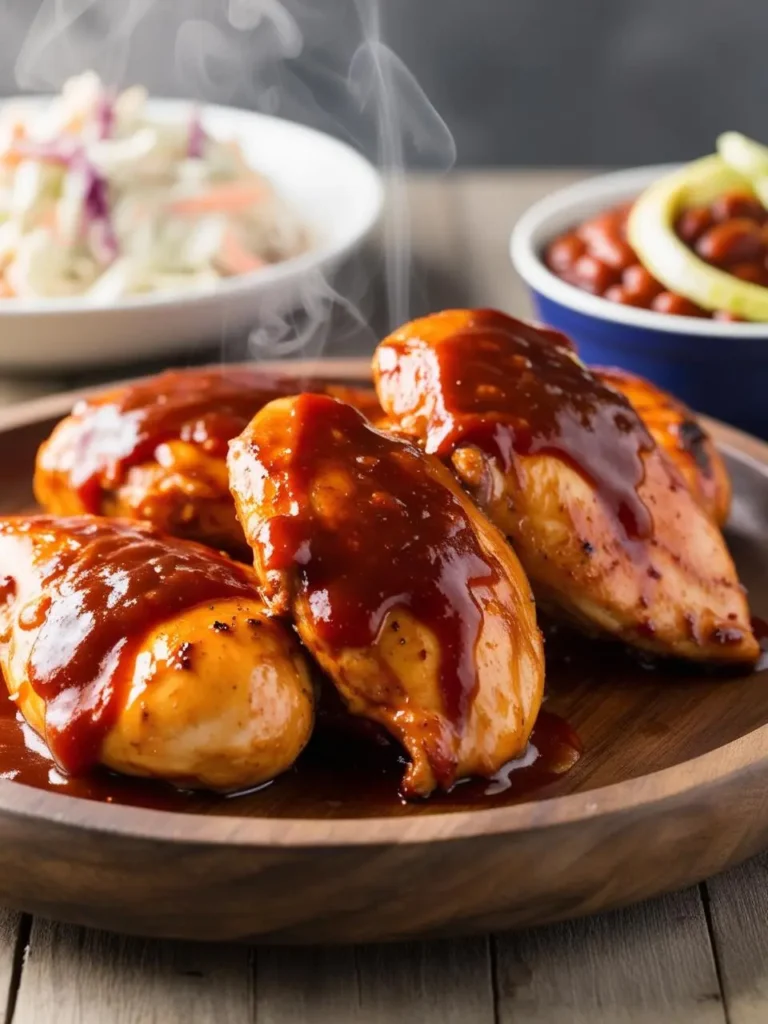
(651, 233)
(749, 158)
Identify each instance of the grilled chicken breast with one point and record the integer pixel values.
(602, 521)
(156, 450)
(680, 435)
(407, 596)
(148, 655)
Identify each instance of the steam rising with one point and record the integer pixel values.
(401, 112)
(278, 56)
(237, 56)
(70, 36)
(251, 14)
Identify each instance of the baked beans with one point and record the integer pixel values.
(731, 233)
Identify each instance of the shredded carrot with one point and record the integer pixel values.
(234, 258)
(6, 291)
(13, 155)
(229, 198)
(75, 124)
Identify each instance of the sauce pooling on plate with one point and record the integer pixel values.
(367, 527)
(511, 388)
(335, 776)
(101, 594)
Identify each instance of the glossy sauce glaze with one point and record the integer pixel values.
(103, 589)
(397, 538)
(511, 388)
(207, 407)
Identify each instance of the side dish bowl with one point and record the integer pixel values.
(717, 367)
(334, 191)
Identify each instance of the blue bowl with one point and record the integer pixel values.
(718, 368)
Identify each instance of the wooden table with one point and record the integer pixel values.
(699, 955)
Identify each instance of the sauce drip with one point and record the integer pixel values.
(207, 407)
(366, 527)
(366, 766)
(553, 749)
(510, 388)
(104, 586)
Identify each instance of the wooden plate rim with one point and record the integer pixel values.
(746, 754)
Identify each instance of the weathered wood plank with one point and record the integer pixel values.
(435, 983)
(307, 985)
(649, 964)
(489, 204)
(14, 933)
(738, 902)
(78, 976)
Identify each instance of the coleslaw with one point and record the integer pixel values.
(100, 201)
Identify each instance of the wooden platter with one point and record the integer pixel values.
(672, 787)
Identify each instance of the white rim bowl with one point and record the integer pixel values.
(354, 178)
(567, 208)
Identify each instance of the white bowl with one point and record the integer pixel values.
(336, 192)
(568, 207)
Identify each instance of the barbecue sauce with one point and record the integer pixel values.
(481, 378)
(366, 527)
(337, 775)
(206, 407)
(104, 585)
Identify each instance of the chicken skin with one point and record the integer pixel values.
(601, 520)
(156, 450)
(679, 434)
(407, 596)
(148, 655)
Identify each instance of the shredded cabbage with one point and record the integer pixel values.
(98, 200)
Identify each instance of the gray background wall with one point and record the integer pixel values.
(517, 81)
